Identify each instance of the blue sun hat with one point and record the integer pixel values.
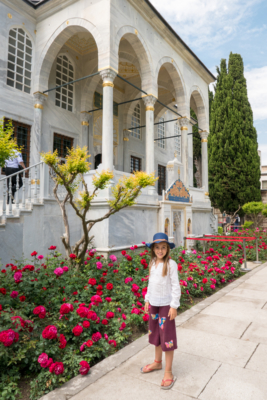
(160, 237)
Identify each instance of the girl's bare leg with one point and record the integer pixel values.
(158, 357)
(168, 368)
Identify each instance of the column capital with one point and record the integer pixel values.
(85, 118)
(184, 123)
(149, 101)
(204, 136)
(108, 75)
(39, 99)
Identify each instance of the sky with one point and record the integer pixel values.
(214, 28)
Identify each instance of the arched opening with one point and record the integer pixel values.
(198, 113)
(167, 227)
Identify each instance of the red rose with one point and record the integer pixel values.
(145, 317)
(66, 308)
(22, 298)
(92, 315)
(129, 258)
(110, 314)
(104, 322)
(108, 299)
(3, 271)
(205, 280)
(96, 337)
(72, 256)
(57, 368)
(49, 332)
(89, 343)
(74, 293)
(34, 253)
(52, 248)
(123, 252)
(86, 324)
(123, 326)
(82, 312)
(112, 342)
(63, 341)
(77, 330)
(85, 367)
(3, 291)
(92, 281)
(109, 286)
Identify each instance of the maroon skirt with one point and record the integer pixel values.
(162, 330)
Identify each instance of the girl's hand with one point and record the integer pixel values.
(172, 313)
(146, 307)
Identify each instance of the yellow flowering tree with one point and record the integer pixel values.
(8, 144)
(71, 176)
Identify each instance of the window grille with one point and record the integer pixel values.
(161, 134)
(64, 74)
(62, 144)
(98, 103)
(19, 64)
(135, 164)
(162, 179)
(177, 140)
(136, 121)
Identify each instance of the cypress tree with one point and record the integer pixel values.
(234, 163)
(196, 146)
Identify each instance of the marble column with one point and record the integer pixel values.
(184, 123)
(85, 118)
(126, 156)
(150, 145)
(36, 132)
(204, 155)
(190, 157)
(108, 76)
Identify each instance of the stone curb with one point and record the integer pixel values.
(77, 384)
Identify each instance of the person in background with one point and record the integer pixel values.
(12, 165)
(237, 222)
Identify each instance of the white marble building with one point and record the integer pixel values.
(47, 43)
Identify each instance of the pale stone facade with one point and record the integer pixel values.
(128, 38)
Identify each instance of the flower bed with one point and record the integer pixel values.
(58, 321)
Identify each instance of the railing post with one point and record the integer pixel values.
(29, 186)
(17, 192)
(35, 185)
(4, 198)
(23, 191)
(257, 253)
(245, 269)
(10, 199)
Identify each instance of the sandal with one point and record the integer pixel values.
(168, 380)
(149, 369)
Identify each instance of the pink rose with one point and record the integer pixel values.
(14, 294)
(59, 271)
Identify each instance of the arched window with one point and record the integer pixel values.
(177, 140)
(19, 60)
(64, 74)
(136, 121)
(161, 134)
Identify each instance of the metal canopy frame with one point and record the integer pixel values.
(130, 101)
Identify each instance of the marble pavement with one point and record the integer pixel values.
(222, 353)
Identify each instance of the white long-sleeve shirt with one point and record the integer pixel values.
(164, 291)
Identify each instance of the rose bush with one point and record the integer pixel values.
(60, 321)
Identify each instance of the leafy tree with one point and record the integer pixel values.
(196, 145)
(8, 144)
(211, 98)
(234, 164)
(256, 211)
(71, 176)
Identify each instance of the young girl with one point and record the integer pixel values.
(163, 296)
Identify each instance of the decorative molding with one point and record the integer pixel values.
(178, 192)
(85, 123)
(127, 70)
(39, 106)
(33, 182)
(149, 101)
(9, 16)
(110, 84)
(150, 108)
(204, 140)
(207, 194)
(184, 128)
(43, 94)
(126, 139)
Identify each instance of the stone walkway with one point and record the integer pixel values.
(222, 353)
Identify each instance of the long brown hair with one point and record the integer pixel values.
(153, 258)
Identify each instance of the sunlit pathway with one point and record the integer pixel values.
(222, 353)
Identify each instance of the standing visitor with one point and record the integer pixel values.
(12, 165)
(163, 297)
